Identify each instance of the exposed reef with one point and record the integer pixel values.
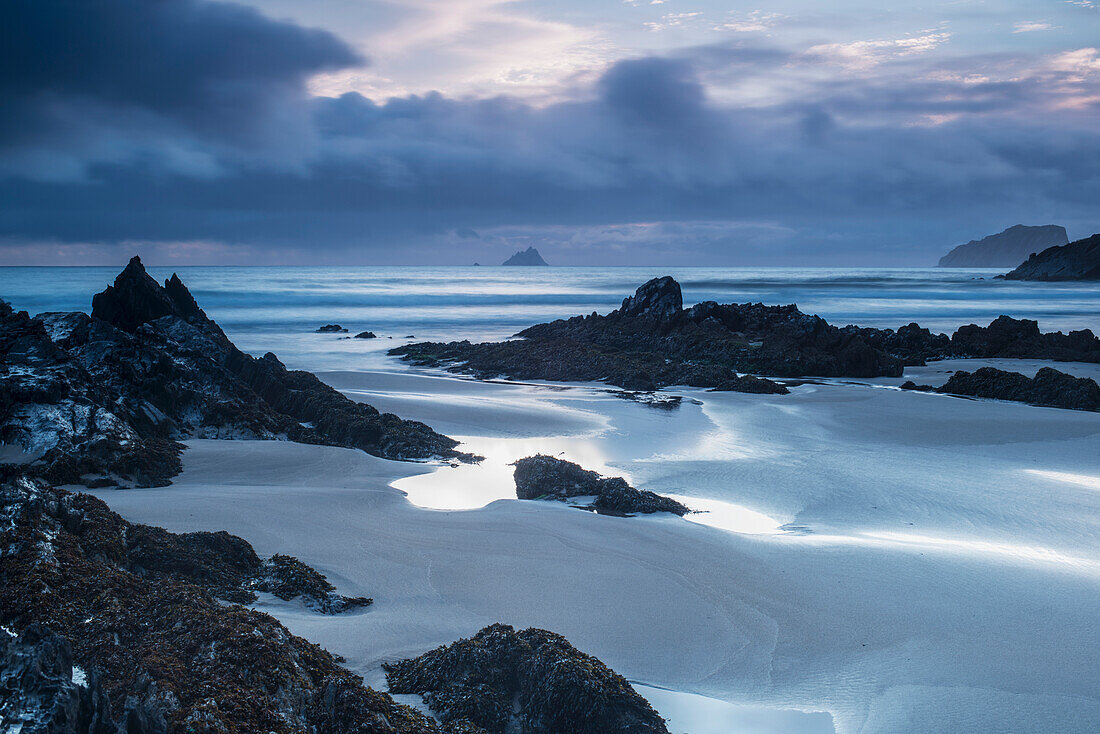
(546, 477)
(653, 342)
(104, 399)
(1078, 260)
(526, 682)
(1049, 388)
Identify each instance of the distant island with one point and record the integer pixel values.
(1078, 260)
(1005, 249)
(530, 256)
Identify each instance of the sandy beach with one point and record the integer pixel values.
(897, 561)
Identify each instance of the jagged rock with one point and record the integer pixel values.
(659, 298)
(38, 692)
(331, 329)
(139, 607)
(910, 385)
(657, 400)
(546, 477)
(526, 682)
(366, 335)
(1078, 260)
(530, 256)
(106, 398)
(1049, 388)
(1005, 249)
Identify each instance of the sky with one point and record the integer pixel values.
(602, 132)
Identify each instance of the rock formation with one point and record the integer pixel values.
(653, 342)
(1005, 249)
(329, 329)
(104, 399)
(1078, 260)
(530, 256)
(1049, 388)
(545, 477)
(526, 682)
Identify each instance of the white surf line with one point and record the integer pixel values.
(728, 516)
(690, 712)
(1082, 480)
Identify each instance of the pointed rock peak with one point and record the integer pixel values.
(182, 299)
(134, 299)
(660, 297)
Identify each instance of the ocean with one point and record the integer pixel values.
(278, 308)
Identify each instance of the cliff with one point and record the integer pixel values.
(1078, 260)
(1005, 249)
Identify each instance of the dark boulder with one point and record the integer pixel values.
(365, 335)
(546, 477)
(331, 329)
(524, 682)
(750, 384)
(659, 298)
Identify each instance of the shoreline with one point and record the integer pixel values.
(516, 562)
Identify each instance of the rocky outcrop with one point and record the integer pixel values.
(140, 608)
(1010, 338)
(750, 384)
(104, 399)
(659, 298)
(530, 256)
(1005, 249)
(1078, 260)
(366, 335)
(331, 329)
(549, 478)
(524, 682)
(651, 342)
(1049, 388)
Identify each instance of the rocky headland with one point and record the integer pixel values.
(1049, 388)
(652, 341)
(1005, 249)
(524, 682)
(104, 399)
(543, 477)
(1078, 260)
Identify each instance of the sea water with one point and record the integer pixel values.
(279, 308)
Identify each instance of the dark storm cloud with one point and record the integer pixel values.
(90, 81)
(854, 164)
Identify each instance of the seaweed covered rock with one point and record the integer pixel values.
(288, 578)
(1006, 337)
(1049, 388)
(546, 477)
(528, 682)
(167, 655)
(105, 399)
(750, 384)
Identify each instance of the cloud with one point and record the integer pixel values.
(865, 54)
(114, 80)
(647, 158)
(1032, 26)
